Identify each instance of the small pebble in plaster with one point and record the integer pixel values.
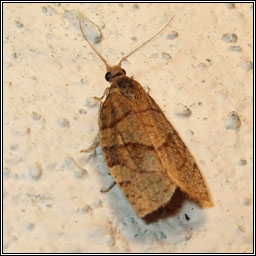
(232, 121)
(72, 17)
(97, 203)
(19, 24)
(86, 209)
(101, 24)
(183, 235)
(10, 174)
(48, 10)
(14, 55)
(247, 201)
(137, 236)
(202, 66)
(82, 111)
(14, 146)
(234, 48)
(51, 166)
(44, 9)
(188, 236)
(83, 81)
(109, 240)
(229, 38)
(241, 228)
(166, 56)
(134, 39)
(14, 160)
(35, 171)
(79, 173)
(160, 235)
(6, 172)
(129, 220)
(172, 35)
(230, 5)
(91, 102)
(182, 111)
(149, 235)
(135, 7)
(246, 64)
(191, 132)
(7, 64)
(154, 55)
(29, 226)
(35, 116)
(21, 131)
(242, 162)
(63, 122)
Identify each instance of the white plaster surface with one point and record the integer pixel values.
(51, 192)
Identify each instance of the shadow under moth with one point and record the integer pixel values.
(144, 153)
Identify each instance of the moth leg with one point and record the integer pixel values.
(147, 89)
(94, 145)
(104, 94)
(96, 140)
(108, 189)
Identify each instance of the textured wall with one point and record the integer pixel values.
(199, 71)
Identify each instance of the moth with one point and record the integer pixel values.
(144, 153)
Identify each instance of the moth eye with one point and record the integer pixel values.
(124, 71)
(108, 76)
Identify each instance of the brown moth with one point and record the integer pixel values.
(145, 154)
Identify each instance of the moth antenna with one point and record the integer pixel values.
(150, 39)
(105, 62)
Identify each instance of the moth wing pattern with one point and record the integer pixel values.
(144, 153)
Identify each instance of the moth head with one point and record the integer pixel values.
(114, 71)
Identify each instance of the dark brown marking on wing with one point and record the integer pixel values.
(117, 120)
(124, 183)
(132, 145)
(173, 140)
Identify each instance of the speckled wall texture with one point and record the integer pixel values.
(199, 71)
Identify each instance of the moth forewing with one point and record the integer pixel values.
(180, 163)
